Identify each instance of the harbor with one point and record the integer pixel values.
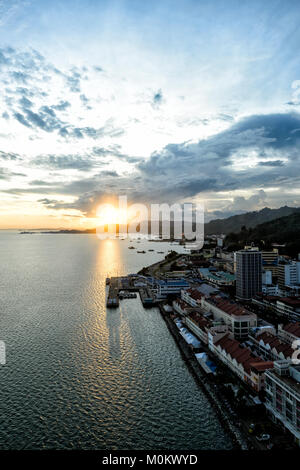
(127, 287)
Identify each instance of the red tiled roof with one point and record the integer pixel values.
(290, 301)
(182, 304)
(274, 342)
(242, 355)
(200, 320)
(261, 366)
(195, 294)
(293, 328)
(228, 306)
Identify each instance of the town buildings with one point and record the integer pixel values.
(239, 320)
(240, 359)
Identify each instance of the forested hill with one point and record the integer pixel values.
(249, 220)
(284, 230)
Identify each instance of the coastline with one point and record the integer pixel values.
(239, 439)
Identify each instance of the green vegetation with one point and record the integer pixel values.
(250, 219)
(284, 231)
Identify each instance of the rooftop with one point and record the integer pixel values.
(274, 342)
(200, 320)
(293, 301)
(228, 306)
(242, 355)
(194, 293)
(293, 328)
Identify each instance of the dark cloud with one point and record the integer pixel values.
(182, 171)
(274, 163)
(213, 159)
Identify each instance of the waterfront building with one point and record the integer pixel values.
(199, 325)
(192, 297)
(248, 273)
(283, 396)
(164, 288)
(267, 345)
(239, 320)
(241, 360)
(181, 307)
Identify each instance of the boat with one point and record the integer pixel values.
(141, 251)
(151, 249)
(160, 252)
(131, 248)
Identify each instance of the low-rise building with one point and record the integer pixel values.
(283, 396)
(199, 325)
(219, 278)
(192, 297)
(164, 288)
(270, 289)
(288, 307)
(181, 307)
(239, 320)
(241, 360)
(269, 346)
(289, 333)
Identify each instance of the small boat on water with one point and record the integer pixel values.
(160, 252)
(151, 249)
(141, 251)
(131, 248)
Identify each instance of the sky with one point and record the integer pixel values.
(162, 101)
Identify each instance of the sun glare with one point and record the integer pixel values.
(107, 214)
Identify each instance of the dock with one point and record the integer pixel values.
(127, 287)
(146, 298)
(113, 293)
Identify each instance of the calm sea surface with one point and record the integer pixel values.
(80, 376)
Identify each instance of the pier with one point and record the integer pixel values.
(127, 287)
(146, 298)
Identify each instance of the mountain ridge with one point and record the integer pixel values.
(234, 223)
